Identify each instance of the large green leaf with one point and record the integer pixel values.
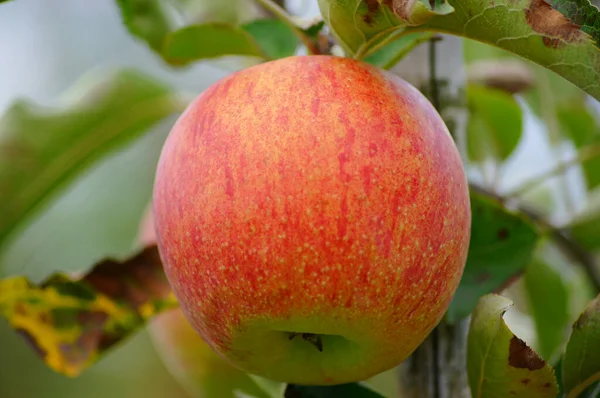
(72, 322)
(581, 363)
(531, 29)
(187, 40)
(266, 39)
(495, 123)
(499, 364)
(274, 38)
(502, 244)
(351, 390)
(44, 148)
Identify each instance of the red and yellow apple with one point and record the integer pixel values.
(313, 217)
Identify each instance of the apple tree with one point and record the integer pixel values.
(524, 321)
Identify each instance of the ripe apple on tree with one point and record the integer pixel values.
(313, 217)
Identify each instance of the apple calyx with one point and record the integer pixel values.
(312, 338)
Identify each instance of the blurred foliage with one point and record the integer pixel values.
(578, 122)
(44, 149)
(495, 123)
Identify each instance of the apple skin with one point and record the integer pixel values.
(201, 371)
(312, 194)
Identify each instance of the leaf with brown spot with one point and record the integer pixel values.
(581, 362)
(560, 35)
(500, 364)
(71, 322)
(580, 13)
(520, 355)
(556, 29)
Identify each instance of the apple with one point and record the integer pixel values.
(201, 371)
(313, 217)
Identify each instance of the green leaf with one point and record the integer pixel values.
(499, 364)
(495, 123)
(43, 149)
(210, 40)
(501, 246)
(152, 20)
(274, 37)
(350, 390)
(581, 362)
(196, 37)
(146, 20)
(390, 53)
(531, 29)
(71, 323)
(266, 39)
